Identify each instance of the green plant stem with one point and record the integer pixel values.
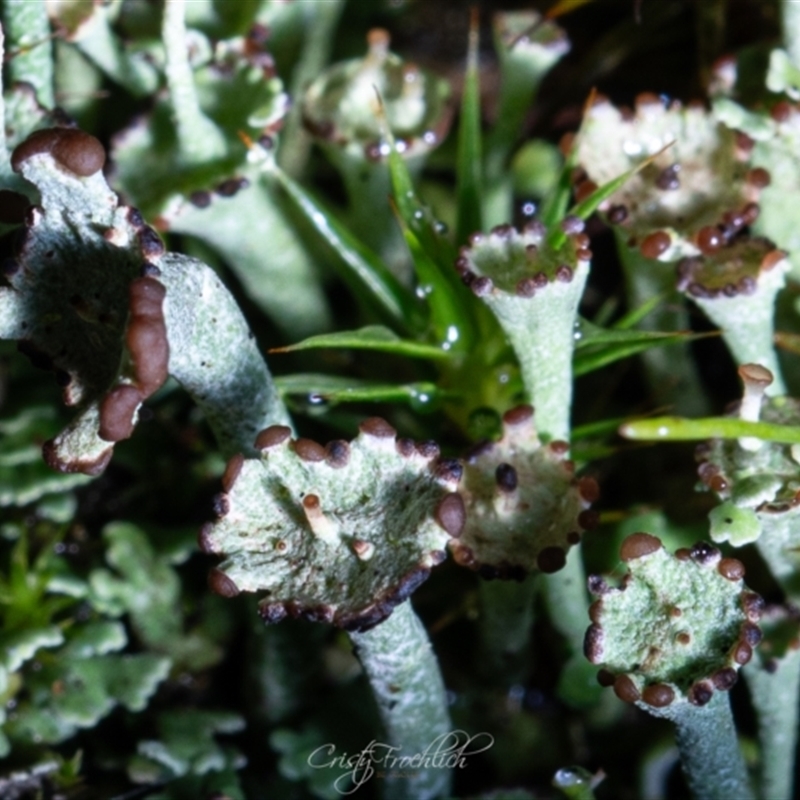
(507, 616)
(710, 756)
(321, 22)
(27, 27)
(790, 26)
(672, 373)
(776, 697)
(199, 140)
(404, 674)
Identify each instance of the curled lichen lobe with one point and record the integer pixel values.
(340, 533)
(524, 506)
(677, 629)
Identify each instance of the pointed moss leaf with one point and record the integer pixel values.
(187, 744)
(585, 208)
(554, 206)
(534, 291)
(341, 389)
(364, 270)
(215, 357)
(591, 354)
(783, 76)
(678, 625)
(523, 504)
(17, 648)
(700, 181)
(340, 106)
(729, 523)
(469, 169)
(447, 299)
(340, 534)
(280, 278)
(372, 337)
(24, 478)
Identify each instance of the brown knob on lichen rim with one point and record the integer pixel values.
(74, 150)
(638, 545)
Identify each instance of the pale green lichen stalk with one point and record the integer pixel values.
(534, 291)
(671, 639)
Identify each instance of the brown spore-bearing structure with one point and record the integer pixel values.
(72, 149)
(148, 348)
(638, 545)
(336, 542)
(524, 506)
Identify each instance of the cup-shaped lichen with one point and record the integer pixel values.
(223, 199)
(672, 639)
(736, 286)
(678, 628)
(343, 534)
(340, 107)
(340, 533)
(699, 192)
(534, 290)
(525, 507)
